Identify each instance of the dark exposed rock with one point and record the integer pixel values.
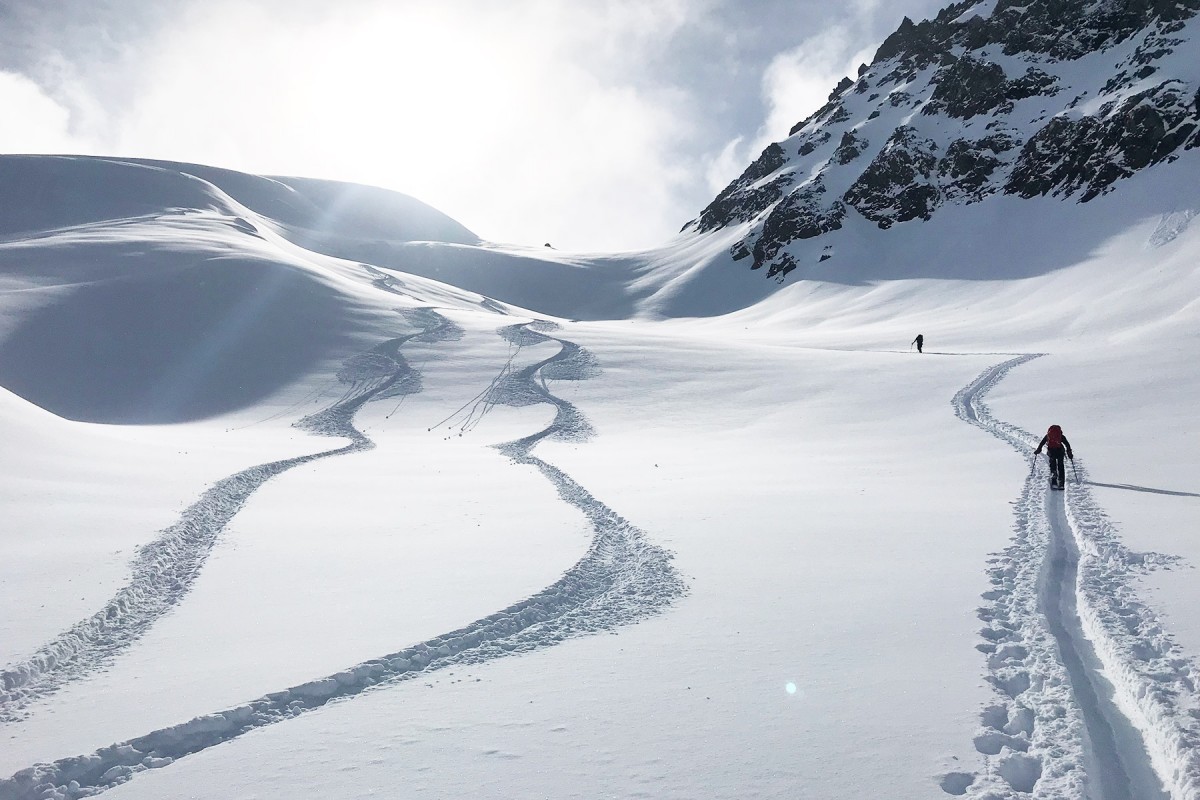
(1061, 29)
(782, 266)
(825, 113)
(810, 119)
(1090, 153)
(849, 148)
(969, 87)
(1116, 83)
(801, 215)
(898, 184)
(967, 166)
(966, 88)
(916, 43)
(812, 141)
(745, 198)
(843, 85)
(1047, 160)
(1140, 65)
(839, 115)
(1108, 127)
(1033, 83)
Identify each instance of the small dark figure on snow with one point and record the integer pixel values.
(1056, 444)
(919, 342)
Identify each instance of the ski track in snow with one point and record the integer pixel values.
(621, 579)
(1096, 700)
(164, 570)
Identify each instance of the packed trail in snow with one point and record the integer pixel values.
(1116, 762)
(622, 578)
(1090, 686)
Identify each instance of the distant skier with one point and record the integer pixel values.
(1055, 444)
(919, 342)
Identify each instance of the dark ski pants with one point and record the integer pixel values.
(1058, 467)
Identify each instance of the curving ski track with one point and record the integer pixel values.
(1096, 700)
(621, 579)
(163, 570)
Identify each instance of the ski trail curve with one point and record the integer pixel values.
(621, 579)
(164, 570)
(1095, 700)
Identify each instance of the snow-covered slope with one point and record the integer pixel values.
(148, 294)
(832, 524)
(308, 472)
(988, 101)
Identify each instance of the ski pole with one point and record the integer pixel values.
(1075, 470)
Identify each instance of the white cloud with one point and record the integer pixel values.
(796, 83)
(513, 120)
(727, 164)
(799, 81)
(32, 122)
(600, 125)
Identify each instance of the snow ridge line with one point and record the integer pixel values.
(164, 569)
(1155, 685)
(621, 579)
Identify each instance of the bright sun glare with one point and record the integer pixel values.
(388, 96)
(491, 114)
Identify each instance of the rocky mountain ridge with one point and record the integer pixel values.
(1051, 97)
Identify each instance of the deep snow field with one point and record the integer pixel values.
(411, 515)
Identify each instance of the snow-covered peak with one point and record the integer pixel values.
(989, 98)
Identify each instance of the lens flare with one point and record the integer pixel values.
(790, 687)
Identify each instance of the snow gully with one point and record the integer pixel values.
(1094, 697)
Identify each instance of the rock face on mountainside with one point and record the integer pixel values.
(1028, 98)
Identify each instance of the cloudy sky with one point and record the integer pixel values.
(589, 124)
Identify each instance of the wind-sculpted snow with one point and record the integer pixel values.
(1061, 611)
(621, 579)
(165, 569)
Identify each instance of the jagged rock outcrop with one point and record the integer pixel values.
(1089, 154)
(965, 171)
(749, 195)
(1060, 98)
(899, 184)
(968, 87)
(803, 214)
(850, 148)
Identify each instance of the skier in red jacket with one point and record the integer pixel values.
(1055, 443)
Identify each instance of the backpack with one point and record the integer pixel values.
(1054, 437)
